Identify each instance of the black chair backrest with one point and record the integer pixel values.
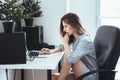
(107, 45)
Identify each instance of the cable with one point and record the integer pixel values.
(30, 58)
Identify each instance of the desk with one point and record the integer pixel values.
(49, 63)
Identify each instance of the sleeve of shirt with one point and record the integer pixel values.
(62, 47)
(83, 48)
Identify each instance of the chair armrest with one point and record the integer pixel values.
(92, 72)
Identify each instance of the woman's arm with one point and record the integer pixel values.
(57, 49)
(65, 65)
(50, 51)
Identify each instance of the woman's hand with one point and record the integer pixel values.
(46, 51)
(65, 39)
(66, 44)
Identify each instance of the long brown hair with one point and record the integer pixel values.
(73, 20)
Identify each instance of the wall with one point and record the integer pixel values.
(53, 10)
(87, 11)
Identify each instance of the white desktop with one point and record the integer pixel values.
(49, 62)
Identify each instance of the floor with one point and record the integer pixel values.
(118, 69)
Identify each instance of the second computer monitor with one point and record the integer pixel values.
(34, 37)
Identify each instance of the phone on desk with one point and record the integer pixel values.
(31, 55)
(35, 53)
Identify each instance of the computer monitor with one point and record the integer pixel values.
(34, 37)
(12, 48)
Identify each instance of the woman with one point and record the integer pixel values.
(79, 50)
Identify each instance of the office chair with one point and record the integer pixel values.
(107, 46)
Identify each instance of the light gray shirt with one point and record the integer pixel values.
(83, 49)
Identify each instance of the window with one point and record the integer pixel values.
(109, 12)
